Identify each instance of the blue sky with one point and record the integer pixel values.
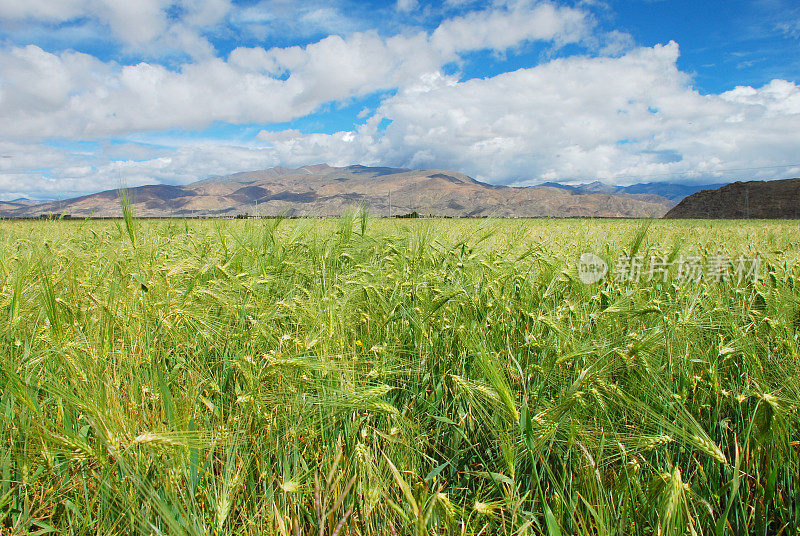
(95, 93)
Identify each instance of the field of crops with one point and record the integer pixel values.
(364, 376)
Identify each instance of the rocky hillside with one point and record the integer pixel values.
(322, 190)
(752, 199)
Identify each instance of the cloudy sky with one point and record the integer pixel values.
(98, 93)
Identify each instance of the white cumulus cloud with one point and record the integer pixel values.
(573, 119)
(143, 26)
(70, 94)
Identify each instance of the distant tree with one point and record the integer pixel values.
(414, 214)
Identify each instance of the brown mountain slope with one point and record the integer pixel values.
(752, 199)
(322, 190)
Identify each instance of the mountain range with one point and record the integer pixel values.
(673, 191)
(322, 190)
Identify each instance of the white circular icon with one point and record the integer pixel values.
(591, 268)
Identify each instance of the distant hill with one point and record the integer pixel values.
(673, 191)
(752, 199)
(16, 204)
(322, 190)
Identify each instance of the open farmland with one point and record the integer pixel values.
(363, 376)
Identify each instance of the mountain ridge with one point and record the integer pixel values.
(673, 191)
(325, 191)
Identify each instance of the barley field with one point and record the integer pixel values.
(371, 377)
